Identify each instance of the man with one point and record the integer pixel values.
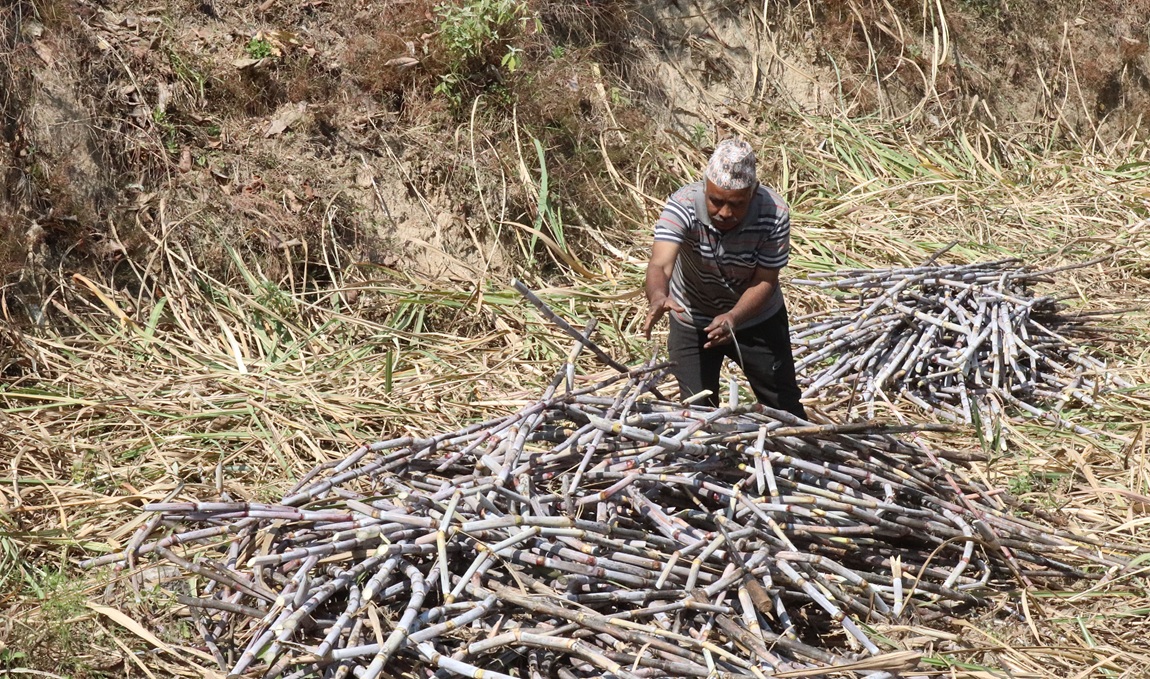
(719, 245)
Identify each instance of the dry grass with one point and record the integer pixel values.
(205, 387)
(177, 375)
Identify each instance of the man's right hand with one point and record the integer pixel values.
(657, 286)
(659, 307)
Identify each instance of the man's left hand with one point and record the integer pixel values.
(720, 331)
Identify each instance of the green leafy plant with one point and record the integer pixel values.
(477, 35)
(511, 60)
(449, 87)
(258, 48)
(476, 29)
(10, 657)
(618, 98)
(194, 79)
(1021, 484)
(699, 134)
(168, 131)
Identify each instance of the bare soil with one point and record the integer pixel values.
(333, 140)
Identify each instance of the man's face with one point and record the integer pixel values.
(727, 207)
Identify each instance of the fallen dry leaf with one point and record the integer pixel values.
(291, 201)
(247, 62)
(44, 53)
(132, 626)
(284, 118)
(142, 632)
(402, 63)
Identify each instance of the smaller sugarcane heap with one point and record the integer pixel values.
(960, 341)
(602, 532)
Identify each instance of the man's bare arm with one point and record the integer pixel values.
(658, 283)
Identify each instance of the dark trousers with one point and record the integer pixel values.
(767, 362)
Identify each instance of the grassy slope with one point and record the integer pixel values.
(228, 380)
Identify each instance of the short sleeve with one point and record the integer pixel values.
(676, 219)
(775, 248)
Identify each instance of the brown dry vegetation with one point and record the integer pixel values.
(238, 239)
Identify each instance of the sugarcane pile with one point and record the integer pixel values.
(960, 341)
(602, 532)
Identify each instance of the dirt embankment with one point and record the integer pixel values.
(311, 135)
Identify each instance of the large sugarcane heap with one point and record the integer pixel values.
(600, 532)
(959, 341)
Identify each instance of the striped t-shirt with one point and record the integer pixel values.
(713, 268)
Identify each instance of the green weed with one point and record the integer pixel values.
(54, 631)
(477, 35)
(185, 72)
(11, 658)
(699, 134)
(169, 133)
(478, 29)
(258, 48)
(1021, 484)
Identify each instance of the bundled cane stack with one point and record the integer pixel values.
(600, 532)
(960, 341)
